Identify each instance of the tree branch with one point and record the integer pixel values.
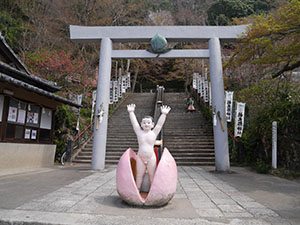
(287, 67)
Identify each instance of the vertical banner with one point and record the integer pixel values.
(94, 97)
(115, 91)
(111, 91)
(239, 119)
(116, 71)
(124, 84)
(199, 83)
(206, 91)
(93, 104)
(77, 125)
(228, 105)
(202, 89)
(128, 80)
(79, 100)
(195, 76)
(1, 106)
(210, 98)
(120, 87)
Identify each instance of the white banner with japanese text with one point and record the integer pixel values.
(239, 119)
(202, 88)
(206, 91)
(116, 91)
(228, 105)
(124, 84)
(128, 80)
(120, 87)
(111, 93)
(195, 80)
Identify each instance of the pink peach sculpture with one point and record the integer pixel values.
(163, 186)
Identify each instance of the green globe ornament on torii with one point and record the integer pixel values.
(159, 44)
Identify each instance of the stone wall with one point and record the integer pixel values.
(16, 155)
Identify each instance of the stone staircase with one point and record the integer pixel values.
(120, 134)
(188, 136)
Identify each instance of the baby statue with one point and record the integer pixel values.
(146, 160)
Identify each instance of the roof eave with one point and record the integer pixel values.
(18, 83)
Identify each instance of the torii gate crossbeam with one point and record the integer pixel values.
(108, 35)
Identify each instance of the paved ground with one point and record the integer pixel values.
(280, 195)
(77, 195)
(19, 187)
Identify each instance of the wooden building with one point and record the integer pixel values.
(27, 110)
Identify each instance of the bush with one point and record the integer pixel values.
(65, 125)
(268, 101)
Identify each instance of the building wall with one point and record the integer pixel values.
(14, 155)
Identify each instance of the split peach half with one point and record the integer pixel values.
(162, 188)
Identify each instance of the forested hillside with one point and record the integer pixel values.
(39, 32)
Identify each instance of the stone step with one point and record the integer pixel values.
(119, 149)
(115, 143)
(189, 158)
(84, 153)
(183, 134)
(120, 133)
(116, 153)
(188, 128)
(114, 162)
(174, 153)
(186, 136)
(191, 145)
(186, 142)
(84, 161)
(191, 150)
(83, 158)
(195, 163)
(120, 139)
(193, 154)
(111, 162)
(117, 158)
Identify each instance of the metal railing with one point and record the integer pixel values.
(73, 145)
(84, 131)
(159, 102)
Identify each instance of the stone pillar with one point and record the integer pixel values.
(102, 103)
(217, 90)
(274, 144)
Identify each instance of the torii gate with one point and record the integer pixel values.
(108, 35)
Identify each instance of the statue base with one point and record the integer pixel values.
(163, 186)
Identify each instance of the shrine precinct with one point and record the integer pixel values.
(108, 35)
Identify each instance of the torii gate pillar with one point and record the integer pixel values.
(102, 103)
(107, 35)
(217, 91)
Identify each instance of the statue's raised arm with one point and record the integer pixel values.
(133, 120)
(164, 111)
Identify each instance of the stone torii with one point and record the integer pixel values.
(108, 35)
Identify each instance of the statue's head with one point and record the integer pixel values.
(147, 123)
